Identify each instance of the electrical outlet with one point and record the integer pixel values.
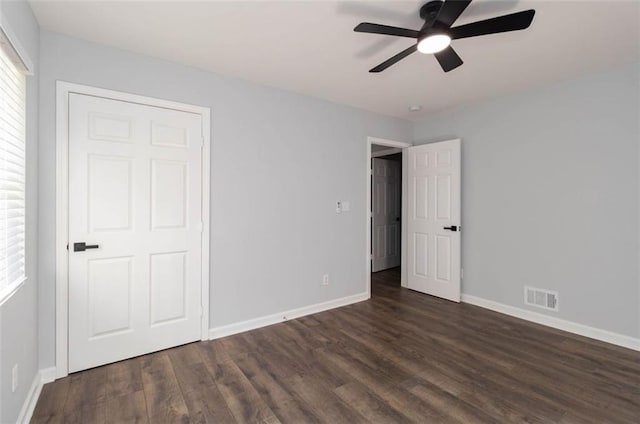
(325, 280)
(14, 378)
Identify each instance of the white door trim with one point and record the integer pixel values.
(386, 152)
(63, 89)
(367, 221)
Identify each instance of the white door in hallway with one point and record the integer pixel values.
(135, 206)
(433, 225)
(386, 214)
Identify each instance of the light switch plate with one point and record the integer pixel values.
(346, 206)
(14, 378)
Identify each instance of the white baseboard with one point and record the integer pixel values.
(560, 324)
(30, 402)
(41, 378)
(252, 324)
(47, 375)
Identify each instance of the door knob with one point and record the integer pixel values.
(81, 247)
(452, 228)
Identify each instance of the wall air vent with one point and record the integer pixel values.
(541, 298)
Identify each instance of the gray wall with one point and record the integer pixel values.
(552, 168)
(279, 162)
(18, 316)
(550, 196)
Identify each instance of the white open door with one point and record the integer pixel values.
(386, 214)
(135, 212)
(433, 224)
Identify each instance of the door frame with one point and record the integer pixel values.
(403, 265)
(63, 90)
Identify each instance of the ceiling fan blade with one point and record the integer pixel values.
(385, 30)
(512, 22)
(448, 59)
(397, 58)
(450, 11)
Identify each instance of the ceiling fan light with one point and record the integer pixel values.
(434, 43)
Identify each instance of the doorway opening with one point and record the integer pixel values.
(430, 239)
(385, 207)
(386, 210)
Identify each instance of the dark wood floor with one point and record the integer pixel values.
(400, 357)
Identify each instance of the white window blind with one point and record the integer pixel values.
(12, 173)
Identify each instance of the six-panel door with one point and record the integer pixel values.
(135, 192)
(386, 214)
(433, 176)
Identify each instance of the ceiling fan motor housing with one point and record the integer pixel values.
(429, 11)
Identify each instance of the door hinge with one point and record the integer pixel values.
(201, 226)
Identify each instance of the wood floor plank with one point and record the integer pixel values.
(284, 405)
(415, 409)
(86, 388)
(374, 377)
(207, 406)
(307, 363)
(399, 357)
(213, 355)
(242, 399)
(456, 410)
(370, 406)
(275, 362)
(49, 408)
(487, 399)
(91, 414)
(163, 396)
(453, 377)
(326, 404)
(124, 377)
(127, 408)
(190, 371)
(85, 402)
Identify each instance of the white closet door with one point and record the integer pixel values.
(135, 202)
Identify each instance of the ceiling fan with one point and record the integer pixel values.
(436, 34)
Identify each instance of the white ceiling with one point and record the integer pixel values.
(309, 47)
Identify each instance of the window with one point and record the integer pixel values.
(12, 169)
